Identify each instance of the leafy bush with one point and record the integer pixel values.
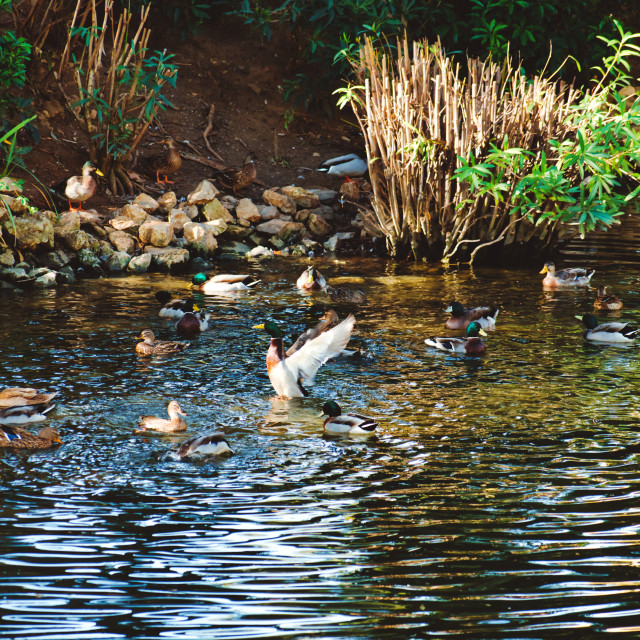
(15, 53)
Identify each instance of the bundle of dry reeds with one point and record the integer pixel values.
(420, 116)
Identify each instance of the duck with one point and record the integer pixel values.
(193, 321)
(288, 373)
(311, 280)
(239, 179)
(16, 438)
(605, 302)
(172, 306)
(23, 405)
(342, 294)
(80, 188)
(213, 444)
(350, 164)
(223, 283)
(152, 347)
(462, 317)
(166, 161)
(175, 422)
(346, 424)
(607, 332)
(573, 277)
(328, 320)
(472, 345)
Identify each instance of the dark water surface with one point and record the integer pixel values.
(500, 498)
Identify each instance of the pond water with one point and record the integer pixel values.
(499, 498)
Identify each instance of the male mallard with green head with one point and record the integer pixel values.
(346, 424)
(608, 331)
(472, 345)
(223, 283)
(80, 188)
(461, 317)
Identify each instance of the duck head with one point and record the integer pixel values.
(474, 330)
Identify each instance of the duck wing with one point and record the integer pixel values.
(305, 362)
(455, 345)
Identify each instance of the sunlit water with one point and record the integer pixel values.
(499, 499)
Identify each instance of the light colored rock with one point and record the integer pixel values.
(11, 186)
(79, 239)
(89, 261)
(229, 202)
(302, 197)
(269, 213)
(118, 261)
(215, 211)
(45, 280)
(122, 241)
(243, 223)
(7, 259)
(302, 215)
(134, 213)
(34, 231)
(68, 222)
(190, 210)
(16, 205)
(237, 232)
(248, 211)
(124, 224)
(325, 195)
(203, 193)
(271, 227)
(350, 190)
(146, 203)
(200, 238)
(318, 225)
(291, 231)
(157, 233)
(177, 219)
(284, 203)
(167, 201)
(168, 258)
(332, 243)
(140, 264)
(217, 227)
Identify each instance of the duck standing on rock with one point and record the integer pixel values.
(174, 424)
(223, 283)
(311, 280)
(165, 162)
(572, 277)
(16, 438)
(461, 318)
(472, 345)
(152, 347)
(349, 165)
(22, 405)
(288, 374)
(79, 188)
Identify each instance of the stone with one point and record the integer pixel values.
(215, 211)
(277, 243)
(34, 231)
(167, 202)
(302, 215)
(248, 211)
(203, 193)
(66, 275)
(124, 224)
(89, 261)
(118, 261)
(229, 202)
(68, 222)
(302, 197)
(199, 265)
(55, 260)
(284, 203)
(217, 227)
(16, 205)
(200, 238)
(269, 213)
(350, 190)
(133, 212)
(271, 227)
(324, 195)
(157, 233)
(11, 186)
(139, 264)
(190, 210)
(14, 274)
(290, 231)
(177, 219)
(122, 241)
(237, 232)
(235, 249)
(299, 250)
(332, 243)
(318, 226)
(46, 280)
(243, 223)
(105, 251)
(168, 258)
(7, 259)
(146, 203)
(79, 239)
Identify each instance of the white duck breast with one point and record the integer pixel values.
(302, 366)
(224, 282)
(24, 415)
(612, 332)
(350, 423)
(213, 444)
(347, 165)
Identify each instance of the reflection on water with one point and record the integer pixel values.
(498, 499)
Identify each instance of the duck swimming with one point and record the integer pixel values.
(608, 331)
(22, 405)
(213, 444)
(472, 345)
(346, 424)
(152, 347)
(223, 283)
(342, 294)
(16, 438)
(461, 317)
(288, 374)
(172, 306)
(311, 280)
(605, 302)
(192, 321)
(175, 422)
(573, 277)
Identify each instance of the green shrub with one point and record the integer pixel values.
(15, 53)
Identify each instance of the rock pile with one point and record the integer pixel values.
(43, 248)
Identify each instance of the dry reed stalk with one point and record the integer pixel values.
(419, 117)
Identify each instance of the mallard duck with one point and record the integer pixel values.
(575, 277)
(165, 162)
(152, 347)
(342, 294)
(472, 345)
(287, 374)
(350, 423)
(343, 166)
(327, 321)
(175, 422)
(242, 178)
(605, 302)
(16, 438)
(22, 405)
(81, 188)
(193, 321)
(607, 332)
(171, 305)
(311, 280)
(223, 283)
(213, 444)
(461, 318)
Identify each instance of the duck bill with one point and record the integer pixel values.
(482, 332)
(544, 269)
(258, 326)
(99, 173)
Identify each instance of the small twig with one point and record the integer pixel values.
(201, 160)
(207, 131)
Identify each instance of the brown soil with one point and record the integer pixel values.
(227, 67)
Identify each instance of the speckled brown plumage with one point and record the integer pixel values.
(152, 347)
(166, 161)
(16, 438)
